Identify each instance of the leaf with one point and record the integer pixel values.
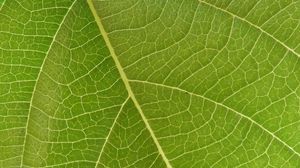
(149, 83)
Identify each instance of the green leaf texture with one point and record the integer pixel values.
(150, 83)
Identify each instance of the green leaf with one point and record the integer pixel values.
(149, 83)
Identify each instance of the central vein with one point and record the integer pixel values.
(126, 82)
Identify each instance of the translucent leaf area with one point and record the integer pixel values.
(149, 83)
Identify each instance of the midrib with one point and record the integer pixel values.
(38, 77)
(126, 82)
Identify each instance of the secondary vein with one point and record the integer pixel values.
(253, 25)
(110, 131)
(222, 105)
(39, 74)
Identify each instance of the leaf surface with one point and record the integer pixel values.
(128, 83)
